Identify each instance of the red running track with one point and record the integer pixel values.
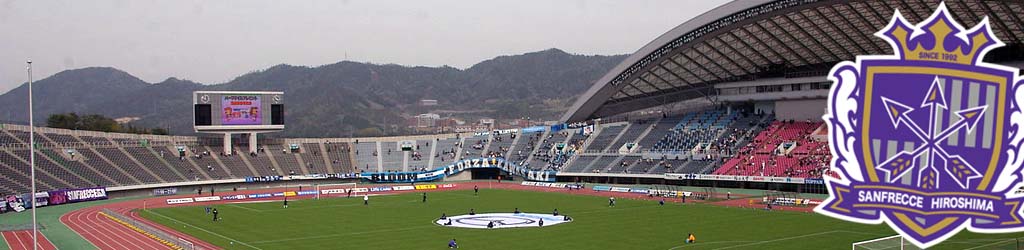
(105, 233)
(22, 240)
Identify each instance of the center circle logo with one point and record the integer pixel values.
(502, 220)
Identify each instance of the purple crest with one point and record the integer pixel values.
(927, 140)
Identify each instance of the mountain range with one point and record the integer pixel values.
(335, 100)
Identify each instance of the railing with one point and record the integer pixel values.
(164, 237)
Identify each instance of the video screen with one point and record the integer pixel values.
(241, 110)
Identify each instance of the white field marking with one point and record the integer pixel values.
(207, 231)
(252, 202)
(708, 243)
(246, 208)
(989, 244)
(780, 239)
(344, 234)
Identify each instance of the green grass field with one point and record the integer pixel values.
(404, 222)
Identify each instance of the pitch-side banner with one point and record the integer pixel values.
(712, 177)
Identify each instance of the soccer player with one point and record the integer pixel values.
(555, 213)
(207, 209)
(424, 197)
(444, 216)
(366, 199)
(286, 202)
(472, 211)
(452, 244)
(540, 223)
(476, 190)
(611, 201)
(215, 215)
(691, 239)
(490, 224)
(517, 211)
(661, 202)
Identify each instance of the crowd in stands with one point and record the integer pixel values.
(783, 149)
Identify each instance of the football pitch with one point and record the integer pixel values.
(405, 222)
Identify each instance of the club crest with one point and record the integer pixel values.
(927, 140)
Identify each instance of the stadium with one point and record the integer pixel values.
(713, 129)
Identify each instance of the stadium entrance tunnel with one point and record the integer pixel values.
(488, 174)
(502, 220)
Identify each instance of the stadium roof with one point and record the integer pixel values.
(746, 40)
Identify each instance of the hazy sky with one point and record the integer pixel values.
(215, 41)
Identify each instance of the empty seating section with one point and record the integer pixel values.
(391, 156)
(261, 163)
(313, 158)
(656, 166)
(366, 156)
(605, 138)
(62, 138)
(97, 141)
(57, 171)
(285, 159)
(115, 156)
(580, 163)
(99, 164)
(338, 154)
(631, 135)
(208, 164)
(23, 136)
(444, 151)
(181, 164)
(600, 164)
(17, 171)
(644, 166)
(78, 166)
(124, 141)
(715, 118)
(235, 165)
(622, 164)
(154, 164)
(762, 156)
(20, 165)
(6, 139)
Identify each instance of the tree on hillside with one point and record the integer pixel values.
(65, 121)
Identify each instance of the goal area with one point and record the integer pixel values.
(897, 242)
(337, 190)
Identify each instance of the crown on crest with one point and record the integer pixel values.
(940, 38)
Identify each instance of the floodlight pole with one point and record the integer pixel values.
(32, 159)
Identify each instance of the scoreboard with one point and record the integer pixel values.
(226, 111)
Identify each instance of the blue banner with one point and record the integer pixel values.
(535, 129)
(602, 188)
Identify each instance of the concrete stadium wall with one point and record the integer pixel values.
(800, 110)
(228, 187)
